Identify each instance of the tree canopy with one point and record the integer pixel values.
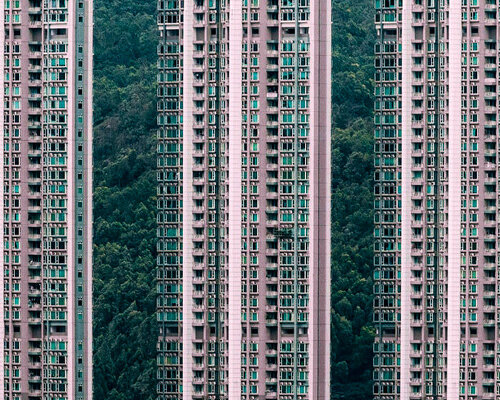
(124, 200)
(352, 199)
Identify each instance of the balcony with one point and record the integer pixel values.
(34, 378)
(34, 10)
(34, 351)
(272, 223)
(35, 23)
(271, 394)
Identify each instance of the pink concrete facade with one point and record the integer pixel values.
(436, 200)
(244, 200)
(47, 200)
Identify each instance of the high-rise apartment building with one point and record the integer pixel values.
(437, 206)
(244, 199)
(46, 211)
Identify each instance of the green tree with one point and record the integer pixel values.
(124, 200)
(352, 199)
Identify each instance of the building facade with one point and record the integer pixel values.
(47, 200)
(436, 306)
(243, 199)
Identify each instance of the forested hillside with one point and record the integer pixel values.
(124, 201)
(352, 202)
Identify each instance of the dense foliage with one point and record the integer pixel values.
(124, 201)
(352, 200)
